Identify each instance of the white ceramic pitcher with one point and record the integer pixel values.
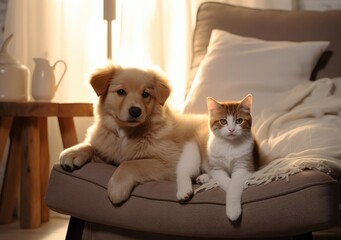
(13, 76)
(44, 84)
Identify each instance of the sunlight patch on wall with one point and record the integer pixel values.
(155, 33)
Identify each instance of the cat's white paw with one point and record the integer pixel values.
(203, 178)
(184, 193)
(233, 212)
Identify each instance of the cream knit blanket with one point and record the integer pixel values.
(300, 132)
(303, 131)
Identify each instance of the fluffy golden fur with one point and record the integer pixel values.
(134, 128)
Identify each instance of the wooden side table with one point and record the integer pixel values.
(28, 159)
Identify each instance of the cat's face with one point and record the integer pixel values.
(230, 120)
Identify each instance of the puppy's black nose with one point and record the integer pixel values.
(135, 112)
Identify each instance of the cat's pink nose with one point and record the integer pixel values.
(231, 130)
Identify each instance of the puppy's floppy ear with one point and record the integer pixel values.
(162, 88)
(101, 78)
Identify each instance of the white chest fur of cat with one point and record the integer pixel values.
(227, 155)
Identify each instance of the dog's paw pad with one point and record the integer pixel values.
(67, 168)
(70, 168)
(76, 167)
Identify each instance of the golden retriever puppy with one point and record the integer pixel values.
(134, 129)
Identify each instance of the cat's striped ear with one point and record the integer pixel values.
(212, 104)
(246, 103)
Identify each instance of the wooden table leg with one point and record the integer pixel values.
(44, 167)
(10, 189)
(30, 175)
(5, 127)
(68, 131)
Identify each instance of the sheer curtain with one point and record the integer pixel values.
(159, 32)
(73, 31)
(154, 32)
(146, 32)
(55, 29)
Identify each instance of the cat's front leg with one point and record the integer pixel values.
(234, 193)
(221, 177)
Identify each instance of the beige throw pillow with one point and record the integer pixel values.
(235, 66)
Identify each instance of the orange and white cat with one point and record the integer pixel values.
(231, 151)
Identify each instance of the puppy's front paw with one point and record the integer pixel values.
(75, 157)
(184, 193)
(233, 212)
(203, 178)
(119, 190)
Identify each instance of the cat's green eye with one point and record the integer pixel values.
(239, 120)
(223, 121)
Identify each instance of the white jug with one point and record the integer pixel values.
(13, 76)
(43, 80)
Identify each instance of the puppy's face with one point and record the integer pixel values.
(130, 95)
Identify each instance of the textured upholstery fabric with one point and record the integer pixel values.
(268, 210)
(235, 66)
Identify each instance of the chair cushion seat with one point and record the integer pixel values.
(307, 201)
